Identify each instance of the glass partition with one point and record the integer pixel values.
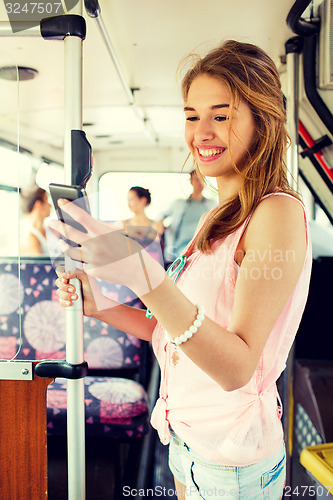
(32, 322)
(11, 290)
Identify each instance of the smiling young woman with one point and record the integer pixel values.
(215, 146)
(222, 328)
(246, 76)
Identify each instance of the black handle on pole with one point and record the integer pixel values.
(81, 158)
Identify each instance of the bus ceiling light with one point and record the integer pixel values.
(17, 72)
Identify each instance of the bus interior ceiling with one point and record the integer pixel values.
(133, 119)
(149, 41)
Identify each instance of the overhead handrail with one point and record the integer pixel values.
(22, 28)
(309, 30)
(93, 11)
(310, 85)
(297, 24)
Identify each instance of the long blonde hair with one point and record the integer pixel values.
(250, 75)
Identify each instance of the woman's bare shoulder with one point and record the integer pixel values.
(277, 217)
(30, 245)
(280, 207)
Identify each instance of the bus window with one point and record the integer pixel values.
(165, 187)
(321, 230)
(16, 171)
(49, 172)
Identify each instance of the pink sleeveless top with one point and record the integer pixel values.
(239, 427)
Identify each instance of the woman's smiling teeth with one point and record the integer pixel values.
(210, 152)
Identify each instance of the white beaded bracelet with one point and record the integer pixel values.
(192, 329)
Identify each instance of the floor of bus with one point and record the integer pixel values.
(111, 470)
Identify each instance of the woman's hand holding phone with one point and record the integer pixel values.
(107, 254)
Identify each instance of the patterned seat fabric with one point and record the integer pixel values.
(29, 308)
(115, 407)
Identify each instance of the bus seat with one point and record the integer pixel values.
(115, 388)
(313, 372)
(313, 410)
(29, 310)
(115, 407)
(313, 389)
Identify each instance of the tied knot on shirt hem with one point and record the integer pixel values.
(159, 415)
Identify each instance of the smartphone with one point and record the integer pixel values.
(71, 193)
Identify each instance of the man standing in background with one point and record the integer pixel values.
(185, 215)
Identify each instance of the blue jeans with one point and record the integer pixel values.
(207, 480)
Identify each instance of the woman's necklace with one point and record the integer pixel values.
(175, 357)
(176, 267)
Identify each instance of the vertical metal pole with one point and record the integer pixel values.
(293, 47)
(292, 54)
(74, 316)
